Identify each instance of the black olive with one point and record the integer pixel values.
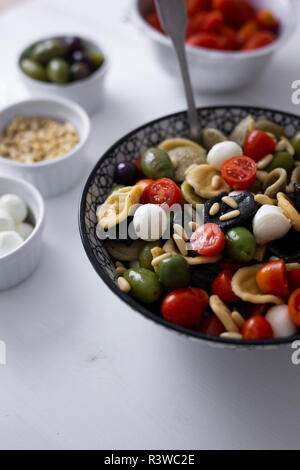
(246, 205)
(287, 248)
(203, 276)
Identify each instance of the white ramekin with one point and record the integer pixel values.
(21, 263)
(215, 71)
(55, 176)
(87, 93)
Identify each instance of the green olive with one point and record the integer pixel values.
(96, 57)
(190, 196)
(296, 145)
(58, 71)
(240, 244)
(269, 126)
(146, 257)
(34, 70)
(174, 272)
(47, 50)
(157, 164)
(281, 160)
(145, 286)
(115, 188)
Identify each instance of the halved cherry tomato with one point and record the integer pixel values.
(145, 184)
(267, 20)
(206, 40)
(194, 6)
(164, 192)
(213, 22)
(294, 278)
(222, 287)
(239, 173)
(272, 278)
(259, 39)
(236, 12)
(195, 23)
(227, 39)
(246, 32)
(294, 307)
(258, 144)
(254, 310)
(153, 20)
(208, 240)
(185, 306)
(257, 328)
(212, 326)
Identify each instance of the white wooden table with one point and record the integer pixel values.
(83, 371)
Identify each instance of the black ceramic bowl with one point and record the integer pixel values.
(130, 148)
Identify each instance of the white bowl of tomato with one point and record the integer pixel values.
(229, 42)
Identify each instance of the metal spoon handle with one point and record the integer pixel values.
(173, 17)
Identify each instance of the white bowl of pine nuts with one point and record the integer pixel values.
(43, 141)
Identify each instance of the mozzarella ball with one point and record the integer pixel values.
(150, 222)
(222, 152)
(6, 221)
(9, 241)
(25, 230)
(270, 224)
(15, 206)
(281, 322)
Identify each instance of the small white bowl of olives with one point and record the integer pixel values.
(66, 66)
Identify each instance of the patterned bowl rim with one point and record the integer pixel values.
(139, 308)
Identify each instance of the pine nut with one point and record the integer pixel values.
(180, 231)
(181, 245)
(230, 202)
(158, 259)
(238, 319)
(215, 208)
(193, 226)
(157, 251)
(260, 253)
(230, 215)
(231, 335)
(264, 162)
(262, 199)
(292, 266)
(124, 285)
(216, 182)
(120, 271)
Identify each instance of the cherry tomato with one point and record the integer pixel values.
(294, 278)
(195, 23)
(208, 240)
(212, 326)
(258, 144)
(194, 6)
(227, 39)
(267, 20)
(294, 307)
(145, 184)
(257, 328)
(213, 22)
(222, 287)
(259, 39)
(239, 173)
(164, 192)
(254, 310)
(272, 278)
(206, 40)
(246, 32)
(185, 307)
(153, 20)
(236, 12)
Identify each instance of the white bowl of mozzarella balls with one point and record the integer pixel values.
(21, 228)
